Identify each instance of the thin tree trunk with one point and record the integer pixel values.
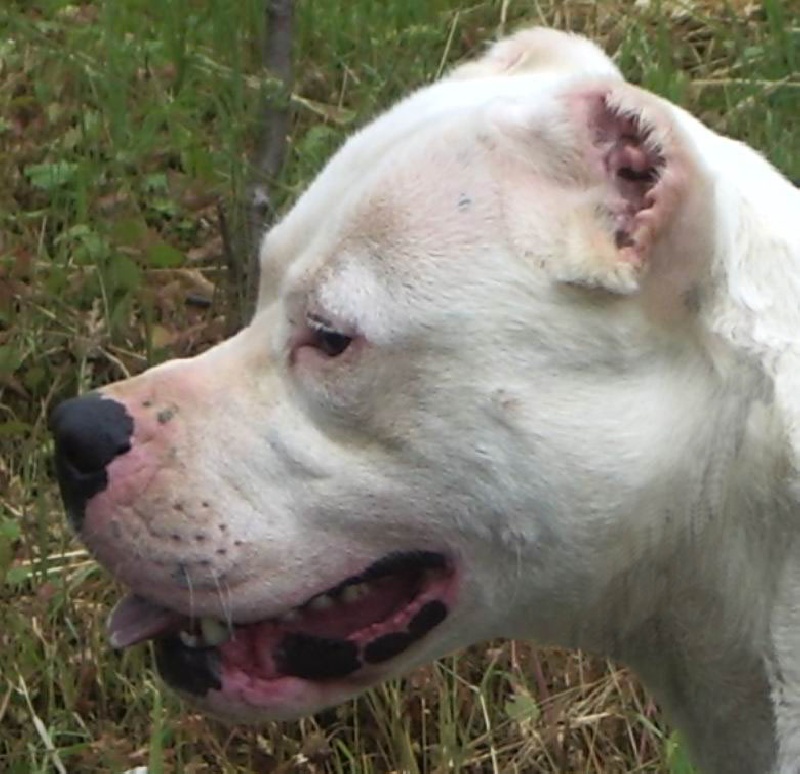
(257, 212)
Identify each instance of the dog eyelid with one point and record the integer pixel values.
(325, 337)
(318, 323)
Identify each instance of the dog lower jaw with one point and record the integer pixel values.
(232, 695)
(240, 701)
(321, 654)
(217, 680)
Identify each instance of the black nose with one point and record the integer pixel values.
(89, 433)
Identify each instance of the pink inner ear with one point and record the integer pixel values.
(634, 165)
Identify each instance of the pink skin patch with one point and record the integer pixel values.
(132, 540)
(634, 169)
(637, 169)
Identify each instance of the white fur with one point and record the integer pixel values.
(607, 444)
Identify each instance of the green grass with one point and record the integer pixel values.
(124, 126)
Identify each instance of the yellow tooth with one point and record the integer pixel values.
(188, 639)
(292, 616)
(322, 602)
(355, 592)
(214, 631)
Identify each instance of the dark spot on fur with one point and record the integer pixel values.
(692, 299)
(165, 415)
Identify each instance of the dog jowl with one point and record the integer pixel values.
(525, 363)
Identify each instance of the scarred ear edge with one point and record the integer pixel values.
(637, 167)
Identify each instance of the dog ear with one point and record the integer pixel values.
(646, 222)
(635, 205)
(540, 49)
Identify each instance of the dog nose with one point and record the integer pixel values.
(89, 433)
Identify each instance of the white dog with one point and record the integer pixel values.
(526, 363)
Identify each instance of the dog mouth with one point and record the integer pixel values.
(350, 630)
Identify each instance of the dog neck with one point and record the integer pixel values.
(722, 653)
(707, 612)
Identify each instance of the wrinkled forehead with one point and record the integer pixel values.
(419, 160)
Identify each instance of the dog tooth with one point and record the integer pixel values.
(355, 592)
(322, 602)
(188, 639)
(215, 632)
(292, 616)
(350, 594)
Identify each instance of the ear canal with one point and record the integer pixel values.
(634, 164)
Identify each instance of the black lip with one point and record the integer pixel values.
(404, 561)
(396, 563)
(387, 647)
(316, 658)
(193, 670)
(431, 614)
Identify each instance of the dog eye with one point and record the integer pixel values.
(327, 340)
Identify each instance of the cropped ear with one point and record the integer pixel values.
(646, 219)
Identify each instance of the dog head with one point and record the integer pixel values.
(476, 364)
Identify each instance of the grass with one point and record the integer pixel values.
(123, 125)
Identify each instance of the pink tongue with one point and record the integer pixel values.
(134, 619)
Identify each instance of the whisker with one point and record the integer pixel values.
(224, 598)
(189, 586)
